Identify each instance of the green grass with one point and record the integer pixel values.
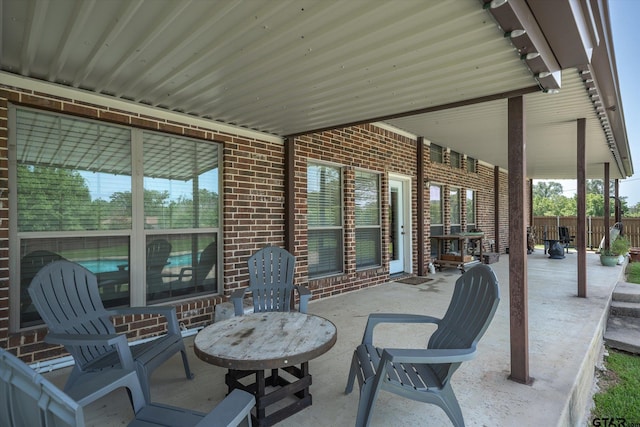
(633, 272)
(619, 397)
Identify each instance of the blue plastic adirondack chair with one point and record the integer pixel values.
(66, 296)
(158, 252)
(29, 399)
(271, 271)
(30, 264)
(192, 277)
(425, 374)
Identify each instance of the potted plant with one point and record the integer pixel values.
(608, 258)
(620, 247)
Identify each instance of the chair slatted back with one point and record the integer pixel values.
(158, 252)
(207, 261)
(563, 234)
(67, 297)
(271, 271)
(30, 264)
(475, 299)
(28, 399)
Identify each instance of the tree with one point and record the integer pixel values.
(53, 199)
(595, 186)
(547, 189)
(548, 200)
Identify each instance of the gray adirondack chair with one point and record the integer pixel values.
(29, 399)
(158, 252)
(192, 277)
(30, 264)
(271, 271)
(67, 298)
(425, 374)
(565, 237)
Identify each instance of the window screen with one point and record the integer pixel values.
(455, 159)
(471, 210)
(80, 197)
(436, 153)
(367, 205)
(324, 220)
(471, 164)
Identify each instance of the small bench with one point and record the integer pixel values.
(225, 310)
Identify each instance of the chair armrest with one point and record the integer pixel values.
(168, 312)
(236, 297)
(428, 356)
(185, 271)
(232, 411)
(305, 296)
(377, 318)
(119, 341)
(88, 339)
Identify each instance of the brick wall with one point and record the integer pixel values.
(253, 203)
(253, 212)
(364, 147)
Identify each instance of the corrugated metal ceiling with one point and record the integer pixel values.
(290, 66)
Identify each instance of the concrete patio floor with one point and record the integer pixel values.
(565, 343)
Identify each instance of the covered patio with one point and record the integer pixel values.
(565, 334)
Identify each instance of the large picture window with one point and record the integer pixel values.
(436, 210)
(471, 210)
(105, 196)
(368, 231)
(455, 217)
(324, 220)
(454, 210)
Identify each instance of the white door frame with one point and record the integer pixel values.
(405, 264)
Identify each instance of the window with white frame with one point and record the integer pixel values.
(436, 153)
(324, 220)
(138, 209)
(455, 217)
(454, 210)
(471, 210)
(367, 215)
(455, 159)
(436, 211)
(471, 164)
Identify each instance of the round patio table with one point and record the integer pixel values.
(276, 341)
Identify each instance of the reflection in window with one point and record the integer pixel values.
(436, 153)
(72, 175)
(107, 257)
(78, 199)
(324, 220)
(182, 192)
(471, 210)
(367, 213)
(471, 164)
(454, 216)
(455, 159)
(180, 264)
(436, 214)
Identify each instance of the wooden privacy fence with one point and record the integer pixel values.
(546, 227)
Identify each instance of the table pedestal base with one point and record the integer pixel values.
(296, 390)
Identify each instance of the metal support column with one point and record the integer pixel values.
(518, 292)
(581, 230)
(607, 207)
(420, 201)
